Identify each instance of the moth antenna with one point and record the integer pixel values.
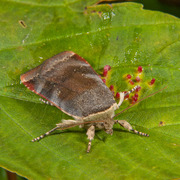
(139, 100)
(132, 90)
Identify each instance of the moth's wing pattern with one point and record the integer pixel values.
(71, 84)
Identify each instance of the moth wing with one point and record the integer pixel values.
(71, 84)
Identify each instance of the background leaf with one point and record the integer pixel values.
(121, 35)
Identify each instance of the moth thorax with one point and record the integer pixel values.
(101, 116)
(106, 124)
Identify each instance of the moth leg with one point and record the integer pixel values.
(90, 133)
(42, 136)
(64, 125)
(127, 126)
(122, 95)
(121, 99)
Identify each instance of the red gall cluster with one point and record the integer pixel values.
(132, 82)
(129, 78)
(135, 98)
(140, 69)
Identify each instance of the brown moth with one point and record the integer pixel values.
(68, 82)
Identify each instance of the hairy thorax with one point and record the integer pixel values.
(102, 120)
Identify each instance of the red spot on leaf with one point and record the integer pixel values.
(131, 82)
(111, 87)
(152, 81)
(138, 79)
(138, 89)
(106, 69)
(135, 98)
(127, 96)
(105, 73)
(117, 95)
(104, 80)
(128, 76)
(140, 69)
(136, 95)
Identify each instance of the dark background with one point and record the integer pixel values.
(167, 6)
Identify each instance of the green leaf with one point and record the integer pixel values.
(122, 35)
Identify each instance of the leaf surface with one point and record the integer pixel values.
(122, 35)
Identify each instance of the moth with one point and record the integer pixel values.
(69, 82)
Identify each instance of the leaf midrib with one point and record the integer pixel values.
(57, 38)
